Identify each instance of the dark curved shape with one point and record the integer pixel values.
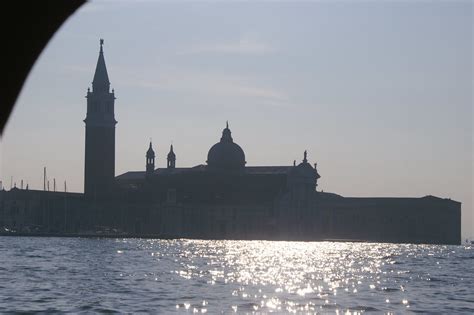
(25, 32)
(226, 155)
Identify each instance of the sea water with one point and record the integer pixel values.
(198, 276)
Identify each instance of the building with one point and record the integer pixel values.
(224, 198)
(99, 166)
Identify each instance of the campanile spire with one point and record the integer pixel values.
(101, 82)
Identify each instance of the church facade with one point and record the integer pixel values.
(227, 199)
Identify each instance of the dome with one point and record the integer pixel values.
(226, 154)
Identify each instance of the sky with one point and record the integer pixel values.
(379, 93)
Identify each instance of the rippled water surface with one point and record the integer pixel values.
(132, 275)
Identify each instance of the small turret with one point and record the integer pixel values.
(150, 160)
(171, 158)
(317, 174)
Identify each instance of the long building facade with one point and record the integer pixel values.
(222, 199)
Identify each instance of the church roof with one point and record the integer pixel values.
(267, 169)
(131, 175)
(138, 175)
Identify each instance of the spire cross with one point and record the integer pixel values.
(305, 155)
(101, 44)
(227, 124)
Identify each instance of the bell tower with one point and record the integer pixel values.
(99, 164)
(150, 160)
(171, 158)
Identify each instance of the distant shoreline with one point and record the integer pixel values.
(88, 235)
(170, 237)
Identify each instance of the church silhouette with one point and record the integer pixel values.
(222, 199)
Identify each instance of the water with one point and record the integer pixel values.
(188, 276)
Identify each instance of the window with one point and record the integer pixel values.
(171, 195)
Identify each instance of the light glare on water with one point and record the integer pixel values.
(196, 276)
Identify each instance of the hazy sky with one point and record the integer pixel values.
(379, 93)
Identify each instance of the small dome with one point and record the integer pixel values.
(226, 154)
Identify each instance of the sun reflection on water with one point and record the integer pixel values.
(295, 276)
(244, 277)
